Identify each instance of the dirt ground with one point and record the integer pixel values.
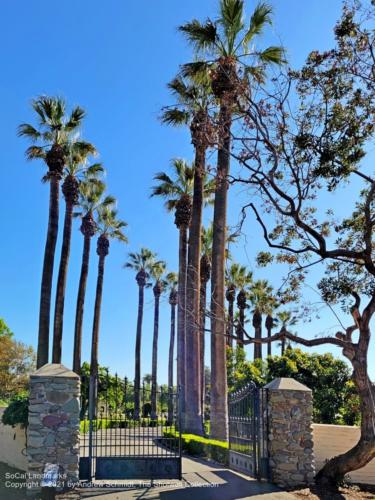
(344, 493)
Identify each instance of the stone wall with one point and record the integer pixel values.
(12, 445)
(53, 432)
(290, 433)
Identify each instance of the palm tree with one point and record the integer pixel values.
(49, 143)
(287, 319)
(261, 297)
(172, 281)
(243, 279)
(109, 227)
(157, 270)
(90, 201)
(227, 43)
(142, 263)
(205, 274)
(177, 191)
(234, 278)
(192, 109)
(76, 169)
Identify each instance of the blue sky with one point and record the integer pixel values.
(114, 58)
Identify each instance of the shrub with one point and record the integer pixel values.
(202, 447)
(17, 412)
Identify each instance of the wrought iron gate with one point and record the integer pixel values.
(116, 443)
(248, 431)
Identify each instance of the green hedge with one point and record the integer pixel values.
(202, 447)
(108, 423)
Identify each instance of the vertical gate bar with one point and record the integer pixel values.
(161, 418)
(91, 415)
(179, 430)
(116, 410)
(106, 410)
(258, 432)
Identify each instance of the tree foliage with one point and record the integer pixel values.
(335, 399)
(17, 361)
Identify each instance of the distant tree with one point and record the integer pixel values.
(193, 101)
(77, 169)
(172, 282)
(236, 277)
(17, 361)
(286, 319)
(109, 227)
(157, 271)
(177, 190)
(263, 301)
(142, 263)
(50, 140)
(90, 200)
(5, 331)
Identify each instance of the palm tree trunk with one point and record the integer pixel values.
(181, 313)
(202, 322)
(96, 324)
(138, 341)
(230, 325)
(219, 390)
(258, 347)
(193, 410)
(170, 364)
(80, 305)
(47, 274)
(283, 342)
(61, 285)
(241, 326)
(154, 374)
(269, 345)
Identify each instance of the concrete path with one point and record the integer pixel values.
(201, 480)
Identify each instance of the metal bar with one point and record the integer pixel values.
(91, 416)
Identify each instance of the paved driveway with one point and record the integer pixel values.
(201, 481)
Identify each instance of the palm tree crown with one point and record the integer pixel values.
(54, 131)
(261, 296)
(110, 227)
(176, 187)
(229, 39)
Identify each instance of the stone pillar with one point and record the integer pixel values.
(290, 440)
(53, 430)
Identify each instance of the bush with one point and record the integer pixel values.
(202, 447)
(17, 412)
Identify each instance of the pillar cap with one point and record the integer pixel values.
(54, 370)
(286, 384)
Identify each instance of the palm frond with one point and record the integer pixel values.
(35, 152)
(75, 119)
(196, 70)
(275, 55)
(27, 130)
(93, 170)
(175, 117)
(200, 36)
(231, 20)
(261, 16)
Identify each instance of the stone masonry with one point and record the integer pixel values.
(290, 442)
(53, 431)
